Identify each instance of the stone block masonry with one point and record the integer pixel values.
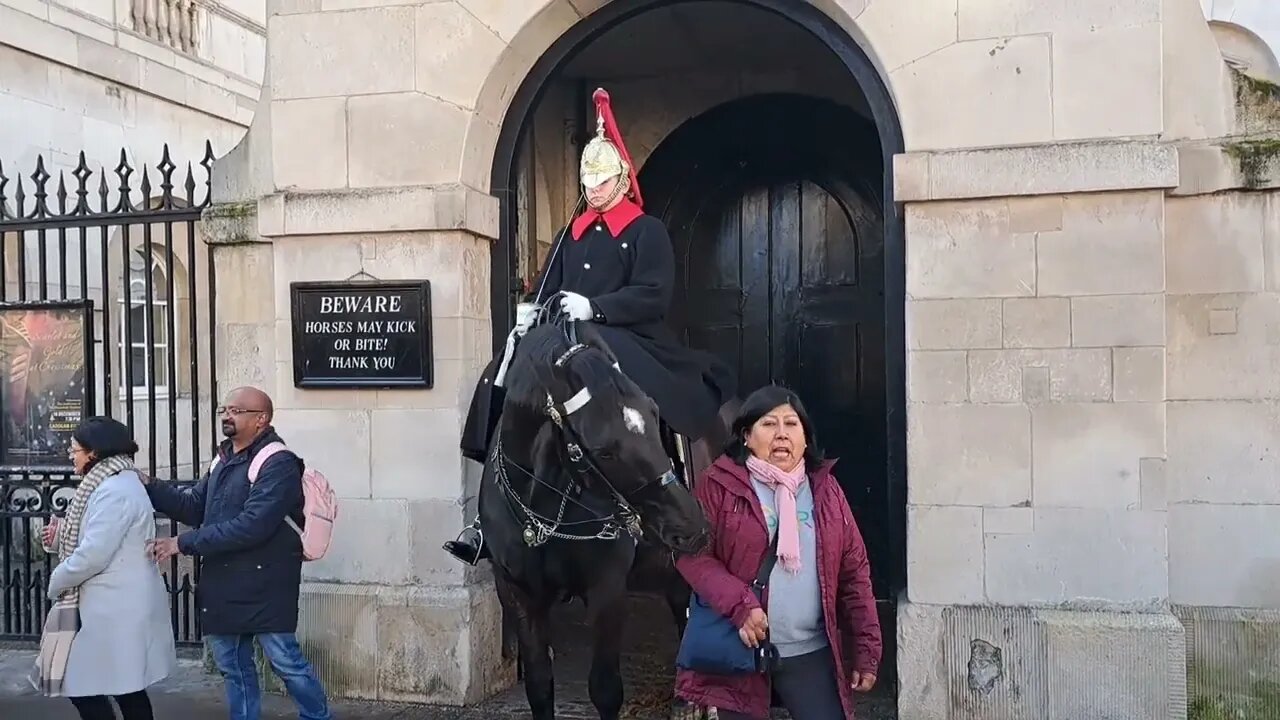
(1038, 559)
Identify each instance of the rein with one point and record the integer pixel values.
(538, 528)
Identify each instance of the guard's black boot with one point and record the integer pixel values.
(470, 547)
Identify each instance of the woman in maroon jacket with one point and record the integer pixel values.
(821, 614)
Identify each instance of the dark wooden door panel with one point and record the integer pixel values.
(779, 251)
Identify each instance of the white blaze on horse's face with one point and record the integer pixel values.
(633, 419)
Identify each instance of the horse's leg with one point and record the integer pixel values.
(608, 603)
(539, 670)
(533, 632)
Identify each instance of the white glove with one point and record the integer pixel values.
(526, 313)
(576, 306)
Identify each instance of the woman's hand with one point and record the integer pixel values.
(49, 532)
(755, 629)
(863, 682)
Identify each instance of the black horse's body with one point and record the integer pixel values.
(574, 497)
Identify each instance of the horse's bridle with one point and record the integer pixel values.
(538, 528)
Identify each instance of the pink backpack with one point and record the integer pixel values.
(319, 506)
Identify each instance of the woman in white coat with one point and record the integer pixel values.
(108, 633)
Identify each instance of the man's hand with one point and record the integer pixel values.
(162, 549)
(755, 629)
(863, 682)
(576, 306)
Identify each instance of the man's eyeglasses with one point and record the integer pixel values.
(224, 410)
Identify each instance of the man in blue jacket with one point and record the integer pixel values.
(251, 560)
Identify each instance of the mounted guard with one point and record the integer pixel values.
(613, 266)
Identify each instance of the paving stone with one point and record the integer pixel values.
(648, 661)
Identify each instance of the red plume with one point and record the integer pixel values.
(605, 110)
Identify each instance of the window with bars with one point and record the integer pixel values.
(145, 335)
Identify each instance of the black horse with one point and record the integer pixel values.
(577, 478)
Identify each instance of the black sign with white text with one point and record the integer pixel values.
(362, 334)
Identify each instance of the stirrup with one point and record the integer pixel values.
(469, 553)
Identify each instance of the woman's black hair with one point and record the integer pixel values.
(757, 405)
(105, 438)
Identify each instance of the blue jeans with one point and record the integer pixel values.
(234, 657)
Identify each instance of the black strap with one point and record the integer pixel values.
(766, 564)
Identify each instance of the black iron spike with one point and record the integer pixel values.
(20, 200)
(207, 164)
(4, 202)
(62, 192)
(190, 187)
(40, 178)
(124, 171)
(166, 168)
(102, 191)
(146, 190)
(83, 175)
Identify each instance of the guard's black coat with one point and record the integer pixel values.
(629, 281)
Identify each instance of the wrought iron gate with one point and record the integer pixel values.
(124, 253)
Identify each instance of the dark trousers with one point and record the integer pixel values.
(134, 706)
(806, 684)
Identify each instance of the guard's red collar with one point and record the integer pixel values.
(616, 219)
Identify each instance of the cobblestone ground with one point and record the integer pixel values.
(648, 663)
(648, 658)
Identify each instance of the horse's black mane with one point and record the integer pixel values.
(535, 354)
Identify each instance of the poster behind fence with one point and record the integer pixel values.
(45, 370)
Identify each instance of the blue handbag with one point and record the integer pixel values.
(711, 644)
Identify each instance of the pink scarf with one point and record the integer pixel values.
(785, 485)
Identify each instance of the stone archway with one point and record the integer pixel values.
(511, 97)
(848, 76)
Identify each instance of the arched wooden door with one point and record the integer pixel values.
(774, 207)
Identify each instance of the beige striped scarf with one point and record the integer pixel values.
(63, 623)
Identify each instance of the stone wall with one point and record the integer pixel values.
(1092, 397)
(1223, 246)
(386, 614)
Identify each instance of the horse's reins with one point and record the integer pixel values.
(540, 528)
